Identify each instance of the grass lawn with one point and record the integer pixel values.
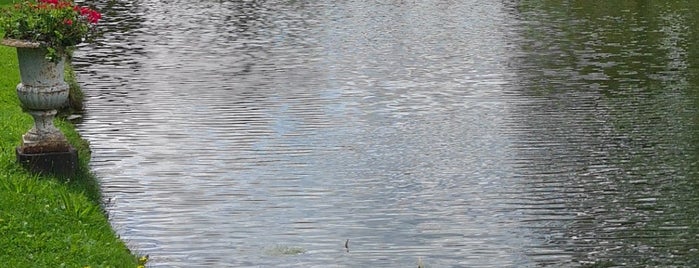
(47, 221)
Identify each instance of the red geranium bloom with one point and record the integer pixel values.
(56, 24)
(91, 15)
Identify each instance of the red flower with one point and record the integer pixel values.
(68, 22)
(91, 15)
(94, 16)
(53, 2)
(63, 4)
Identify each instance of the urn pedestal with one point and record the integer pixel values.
(42, 91)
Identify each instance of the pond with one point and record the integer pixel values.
(293, 133)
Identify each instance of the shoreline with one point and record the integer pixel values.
(48, 221)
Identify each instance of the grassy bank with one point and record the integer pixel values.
(47, 221)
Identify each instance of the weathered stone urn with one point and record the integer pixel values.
(42, 91)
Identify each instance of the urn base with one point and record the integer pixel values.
(55, 163)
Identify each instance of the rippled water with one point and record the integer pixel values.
(459, 133)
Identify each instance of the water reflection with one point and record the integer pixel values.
(469, 134)
(623, 141)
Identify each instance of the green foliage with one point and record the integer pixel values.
(76, 96)
(56, 24)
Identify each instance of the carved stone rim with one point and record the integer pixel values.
(19, 43)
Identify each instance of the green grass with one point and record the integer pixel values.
(48, 221)
(76, 96)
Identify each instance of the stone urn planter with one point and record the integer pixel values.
(42, 91)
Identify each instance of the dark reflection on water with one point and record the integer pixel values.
(612, 126)
(467, 134)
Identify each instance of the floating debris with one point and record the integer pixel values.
(282, 250)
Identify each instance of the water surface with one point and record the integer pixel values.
(462, 133)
